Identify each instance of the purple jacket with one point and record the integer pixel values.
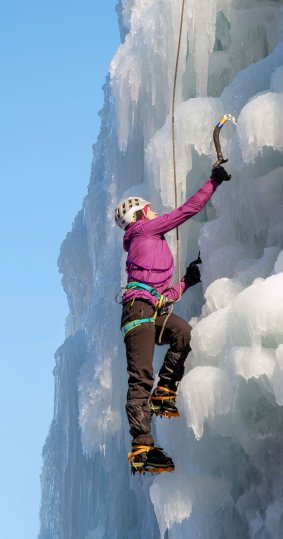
(150, 260)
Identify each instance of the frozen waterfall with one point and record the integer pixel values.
(228, 443)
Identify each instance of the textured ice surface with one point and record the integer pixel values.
(207, 394)
(227, 445)
(191, 505)
(261, 124)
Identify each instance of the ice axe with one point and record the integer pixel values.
(216, 133)
(220, 158)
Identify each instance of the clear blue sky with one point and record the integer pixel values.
(54, 58)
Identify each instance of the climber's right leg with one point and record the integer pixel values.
(139, 344)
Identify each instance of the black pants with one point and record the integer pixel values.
(139, 349)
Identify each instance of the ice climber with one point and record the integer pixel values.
(150, 268)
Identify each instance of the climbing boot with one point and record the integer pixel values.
(151, 459)
(163, 402)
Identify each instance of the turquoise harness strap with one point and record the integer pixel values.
(136, 323)
(142, 286)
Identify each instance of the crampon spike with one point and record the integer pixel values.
(165, 413)
(152, 471)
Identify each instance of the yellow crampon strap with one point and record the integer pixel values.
(164, 397)
(167, 390)
(139, 449)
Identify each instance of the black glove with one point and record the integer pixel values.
(192, 275)
(220, 175)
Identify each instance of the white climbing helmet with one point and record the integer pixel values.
(125, 211)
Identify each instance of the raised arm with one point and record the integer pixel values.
(169, 221)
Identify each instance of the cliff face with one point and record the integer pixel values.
(227, 445)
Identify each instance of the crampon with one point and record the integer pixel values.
(150, 459)
(163, 402)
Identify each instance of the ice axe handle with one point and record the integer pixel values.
(220, 158)
(216, 133)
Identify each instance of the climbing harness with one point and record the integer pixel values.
(216, 133)
(160, 304)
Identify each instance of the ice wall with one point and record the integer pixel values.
(227, 444)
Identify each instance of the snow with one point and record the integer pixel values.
(227, 444)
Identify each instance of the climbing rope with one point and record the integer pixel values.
(174, 146)
(220, 158)
(175, 167)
